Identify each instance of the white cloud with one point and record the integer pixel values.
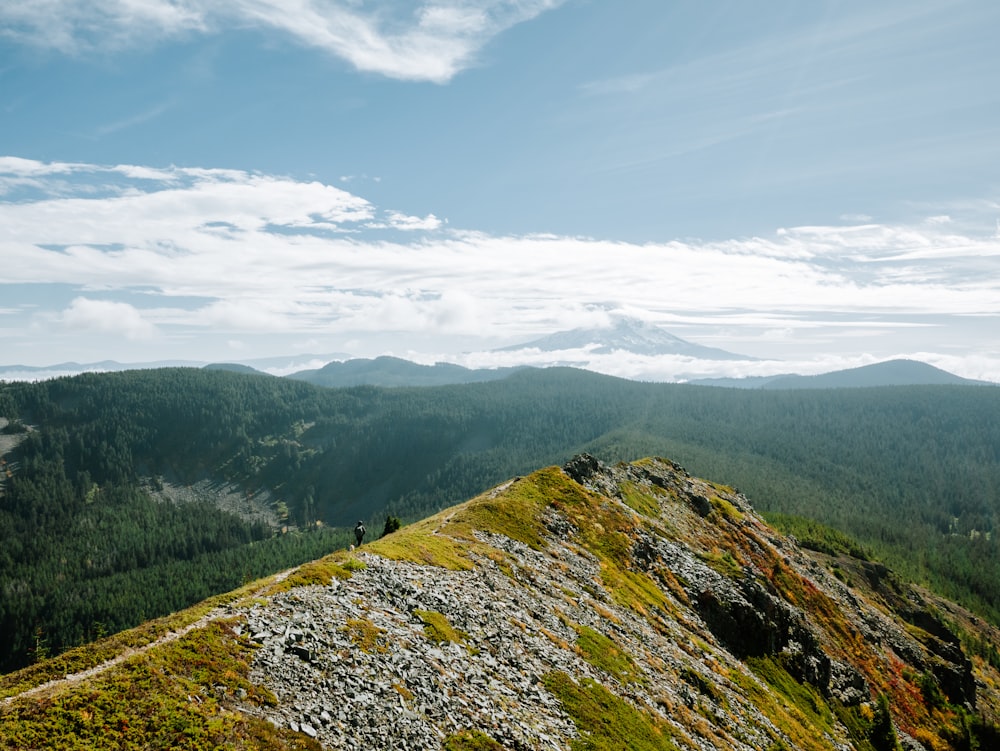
(107, 317)
(457, 310)
(242, 315)
(431, 42)
(169, 213)
(677, 368)
(939, 219)
(14, 166)
(398, 220)
(241, 254)
(451, 312)
(777, 335)
(72, 26)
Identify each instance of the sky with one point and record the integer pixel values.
(811, 185)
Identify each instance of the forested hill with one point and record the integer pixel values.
(888, 373)
(393, 371)
(912, 472)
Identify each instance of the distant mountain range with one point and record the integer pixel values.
(393, 371)
(889, 373)
(74, 368)
(626, 335)
(287, 363)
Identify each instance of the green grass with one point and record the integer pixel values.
(639, 500)
(320, 572)
(606, 530)
(796, 709)
(177, 696)
(88, 656)
(603, 653)
(723, 562)
(516, 510)
(816, 536)
(422, 545)
(802, 696)
(366, 636)
(726, 509)
(605, 721)
(437, 628)
(471, 740)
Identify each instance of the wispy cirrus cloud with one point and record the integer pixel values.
(430, 41)
(137, 119)
(74, 27)
(775, 98)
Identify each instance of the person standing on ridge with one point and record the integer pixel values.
(359, 532)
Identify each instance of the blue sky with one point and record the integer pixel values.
(811, 183)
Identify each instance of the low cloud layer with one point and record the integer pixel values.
(182, 257)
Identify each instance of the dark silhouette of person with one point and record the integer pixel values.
(359, 532)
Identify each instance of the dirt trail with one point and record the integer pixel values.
(67, 680)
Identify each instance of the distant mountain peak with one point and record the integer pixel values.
(394, 371)
(627, 335)
(898, 372)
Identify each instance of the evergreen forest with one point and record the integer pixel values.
(87, 545)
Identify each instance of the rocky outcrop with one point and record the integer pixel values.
(403, 688)
(355, 665)
(751, 622)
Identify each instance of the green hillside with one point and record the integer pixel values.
(911, 472)
(632, 607)
(393, 371)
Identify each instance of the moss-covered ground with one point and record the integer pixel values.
(603, 653)
(437, 628)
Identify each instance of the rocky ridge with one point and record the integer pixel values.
(521, 613)
(590, 606)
